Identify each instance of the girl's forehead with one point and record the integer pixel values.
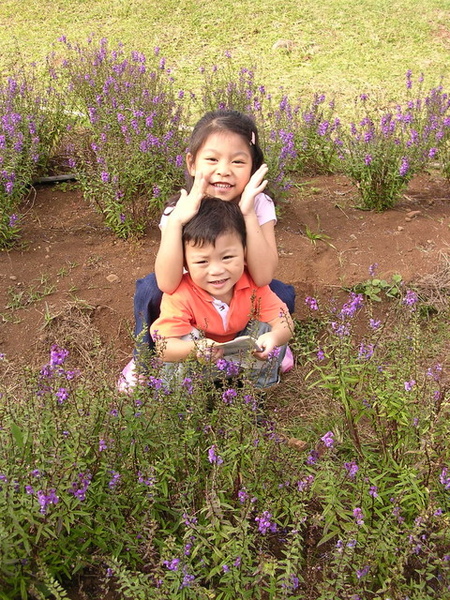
(226, 139)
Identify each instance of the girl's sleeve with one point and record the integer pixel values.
(164, 217)
(265, 209)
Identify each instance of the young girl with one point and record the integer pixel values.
(224, 160)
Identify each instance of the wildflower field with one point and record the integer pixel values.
(344, 490)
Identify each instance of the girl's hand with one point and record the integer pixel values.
(188, 204)
(254, 187)
(267, 343)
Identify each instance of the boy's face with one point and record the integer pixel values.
(217, 268)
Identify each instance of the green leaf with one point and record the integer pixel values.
(17, 435)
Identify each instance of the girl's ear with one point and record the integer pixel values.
(190, 163)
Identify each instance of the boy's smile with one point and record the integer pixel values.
(216, 269)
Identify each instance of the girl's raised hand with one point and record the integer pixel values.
(188, 204)
(255, 186)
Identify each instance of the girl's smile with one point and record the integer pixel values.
(225, 160)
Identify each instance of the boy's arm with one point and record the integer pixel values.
(177, 350)
(281, 332)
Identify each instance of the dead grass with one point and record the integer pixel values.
(71, 327)
(434, 288)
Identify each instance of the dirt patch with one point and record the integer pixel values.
(72, 268)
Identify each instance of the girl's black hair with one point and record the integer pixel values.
(214, 218)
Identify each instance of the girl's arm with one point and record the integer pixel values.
(169, 259)
(262, 253)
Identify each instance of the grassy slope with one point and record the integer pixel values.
(341, 48)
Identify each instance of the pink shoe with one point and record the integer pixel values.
(128, 380)
(288, 361)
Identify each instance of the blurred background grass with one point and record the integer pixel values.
(336, 47)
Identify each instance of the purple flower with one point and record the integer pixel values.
(104, 176)
(13, 220)
(320, 354)
(365, 351)
(305, 483)
(373, 491)
(435, 372)
(230, 368)
(312, 457)
(187, 580)
(409, 385)
(312, 303)
(411, 298)
(374, 323)
(352, 468)
(264, 523)
(328, 439)
(187, 385)
(358, 516)
(360, 573)
(372, 269)
(173, 564)
(368, 159)
(102, 445)
(58, 355)
(213, 457)
(243, 495)
(444, 478)
(115, 478)
(404, 167)
(46, 499)
(61, 395)
(189, 521)
(349, 308)
(229, 395)
(79, 488)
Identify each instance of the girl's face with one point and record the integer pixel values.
(225, 160)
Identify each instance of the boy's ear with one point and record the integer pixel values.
(190, 163)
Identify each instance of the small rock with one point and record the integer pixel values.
(400, 228)
(412, 214)
(283, 45)
(297, 444)
(13, 278)
(113, 278)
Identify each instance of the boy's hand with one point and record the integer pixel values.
(188, 204)
(254, 187)
(267, 343)
(207, 351)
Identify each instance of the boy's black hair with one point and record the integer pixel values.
(214, 218)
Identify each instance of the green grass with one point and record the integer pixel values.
(340, 48)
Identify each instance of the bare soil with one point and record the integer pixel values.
(71, 269)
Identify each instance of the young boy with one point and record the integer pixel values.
(217, 300)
